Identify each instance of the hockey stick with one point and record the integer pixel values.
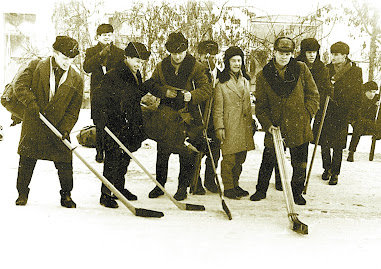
(182, 206)
(297, 225)
(373, 145)
(316, 142)
(205, 135)
(141, 212)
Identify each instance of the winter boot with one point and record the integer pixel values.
(241, 192)
(181, 194)
(23, 198)
(107, 201)
(66, 200)
(333, 180)
(258, 196)
(232, 194)
(350, 156)
(129, 196)
(200, 189)
(297, 190)
(326, 174)
(156, 192)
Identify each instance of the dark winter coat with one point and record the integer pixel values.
(342, 108)
(191, 77)
(37, 140)
(321, 77)
(93, 64)
(292, 110)
(120, 98)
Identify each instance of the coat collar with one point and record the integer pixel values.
(236, 84)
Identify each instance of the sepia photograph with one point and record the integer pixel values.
(190, 134)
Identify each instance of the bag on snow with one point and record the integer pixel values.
(87, 137)
(8, 98)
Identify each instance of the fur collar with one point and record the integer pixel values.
(184, 71)
(282, 87)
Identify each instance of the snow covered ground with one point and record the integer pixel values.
(344, 221)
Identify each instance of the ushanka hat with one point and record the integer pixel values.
(284, 44)
(309, 44)
(340, 47)
(67, 46)
(105, 28)
(137, 50)
(208, 46)
(233, 51)
(176, 43)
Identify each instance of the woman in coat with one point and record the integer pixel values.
(287, 98)
(119, 97)
(233, 120)
(55, 89)
(347, 81)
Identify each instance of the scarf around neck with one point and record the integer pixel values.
(282, 87)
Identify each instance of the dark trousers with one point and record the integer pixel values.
(99, 139)
(332, 162)
(268, 164)
(25, 172)
(115, 168)
(187, 166)
(299, 156)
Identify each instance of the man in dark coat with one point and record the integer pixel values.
(100, 59)
(346, 78)
(287, 98)
(55, 89)
(207, 52)
(309, 54)
(119, 96)
(366, 114)
(181, 83)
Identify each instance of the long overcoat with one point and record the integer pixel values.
(341, 109)
(232, 112)
(292, 114)
(93, 64)
(120, 101)
(37, 140)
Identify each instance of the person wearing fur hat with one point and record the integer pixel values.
(232, 122)
(346, 78)
(207, 54)
(365, 123)
(119, 98)
(286, 98)
(52, 87)
(181, 83)
(309, 54)
(98, 60)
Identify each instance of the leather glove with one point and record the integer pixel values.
(33, 109)
(66, 135)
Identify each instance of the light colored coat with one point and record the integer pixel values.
(232, 112)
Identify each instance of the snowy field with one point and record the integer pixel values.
(344, 221)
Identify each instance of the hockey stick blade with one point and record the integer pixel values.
(191, 207)
(226, 209)
(299, 227)
(147, 213)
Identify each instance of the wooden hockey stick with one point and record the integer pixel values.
(297, 225)
(182, 206)
(141, 212)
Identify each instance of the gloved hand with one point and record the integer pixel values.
(66, 135)
(33, 109)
